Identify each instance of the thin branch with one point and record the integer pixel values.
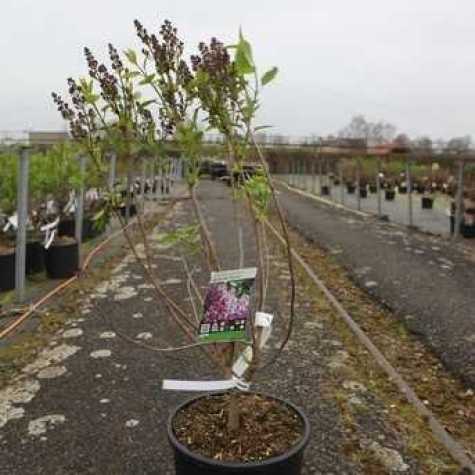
(288, 248)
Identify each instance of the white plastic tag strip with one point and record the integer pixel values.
(264, 321)
(50, 232)
(11, 223)
(200, 386)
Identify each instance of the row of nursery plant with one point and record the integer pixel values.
(54, 178)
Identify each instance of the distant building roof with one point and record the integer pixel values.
(47, 138)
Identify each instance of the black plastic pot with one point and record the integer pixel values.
(427, 202)
(467, 231)
(133, 210)
(89, 229)
(350, 188)
(35, 258)
(62, 260)
(389, 195)
(66, 227)
(7, 271)
(189, 463)
(373, 188)
(363, 192)
(325, 190)
(402, 190)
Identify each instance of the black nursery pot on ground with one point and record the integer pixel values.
(373, 188)
(427, 202)
(363, 192)
(7, 270)
(389, 195)
(35, 259)
(133, 210)
(188, 462)
(62, 259)
(325, 190)
(350, 188)
(402, 190)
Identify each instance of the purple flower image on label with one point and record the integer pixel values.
(227, 302)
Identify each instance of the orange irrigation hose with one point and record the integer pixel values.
(63, 285)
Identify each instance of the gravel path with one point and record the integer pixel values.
(422, 278)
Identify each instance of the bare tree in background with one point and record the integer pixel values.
(423, 144)
(373, 133)
(459, 144)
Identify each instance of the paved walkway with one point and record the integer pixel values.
(92, 403)
(422, 278)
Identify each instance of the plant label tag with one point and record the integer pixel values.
(227, 305)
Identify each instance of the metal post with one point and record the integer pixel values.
(358, 184)
(22, 215)
(128, 199)
(112, 170)
(289, 169)
(320, 175)
(143, 179)
(314, 177)
(342, 186)
(378, 188)
(459, 199)
(79, 212)
(157, 178)
(328, 181)
(151, 179)
(409, 192)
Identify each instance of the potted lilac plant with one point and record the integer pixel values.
(223, 85)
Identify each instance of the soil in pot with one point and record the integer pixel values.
(66, 227)
(427, 202)
(62, 259)
(389, 195)
(271, 440)
(7, 268)
(35, 260)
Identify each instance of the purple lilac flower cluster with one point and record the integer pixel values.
(222, 304)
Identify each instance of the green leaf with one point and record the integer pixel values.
(269, 76)
(148, 79)
(131, 55)
(243, 58)
(262, 127)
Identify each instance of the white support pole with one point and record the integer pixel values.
(143, 179)
(22, 214)
(358, 183)
(112, 171)
(342, 185)
(320, 175)
(79, 212)
(378, 188)
(459, 199)
(410, 209)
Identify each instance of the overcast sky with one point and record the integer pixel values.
(410, 62)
